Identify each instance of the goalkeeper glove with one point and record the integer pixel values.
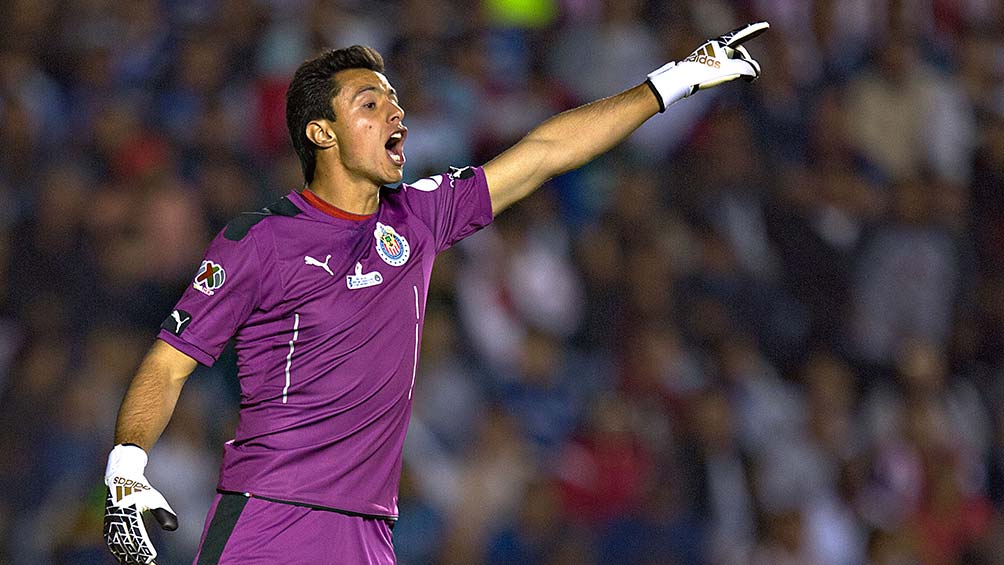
(717, 61)
(129, 495)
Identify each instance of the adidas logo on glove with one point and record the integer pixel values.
(124, 487)
(705, 56)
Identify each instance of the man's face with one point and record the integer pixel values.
(368, 126)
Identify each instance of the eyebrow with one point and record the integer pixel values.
(366, 89)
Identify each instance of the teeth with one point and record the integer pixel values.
(396, 136)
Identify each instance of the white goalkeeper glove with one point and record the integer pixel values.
(717, 61)
(129, 495)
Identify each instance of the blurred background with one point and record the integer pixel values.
(769, 328)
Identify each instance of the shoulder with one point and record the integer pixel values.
(433, 183)
(238, 228)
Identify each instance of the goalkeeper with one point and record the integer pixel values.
(324, 293)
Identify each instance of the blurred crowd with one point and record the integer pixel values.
(769, 328)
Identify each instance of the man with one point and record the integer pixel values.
(324, 292)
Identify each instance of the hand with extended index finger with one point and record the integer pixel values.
(732, 44)
(716, 61)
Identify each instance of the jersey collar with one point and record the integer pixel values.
(314, 200)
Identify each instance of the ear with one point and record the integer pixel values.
(321, 134)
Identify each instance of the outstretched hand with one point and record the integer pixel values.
(716, 61)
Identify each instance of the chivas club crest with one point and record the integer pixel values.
(391, 246)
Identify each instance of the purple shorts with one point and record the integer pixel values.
(242, 529)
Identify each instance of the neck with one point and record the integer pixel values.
(354, 195)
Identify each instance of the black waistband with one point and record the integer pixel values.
(389, 519)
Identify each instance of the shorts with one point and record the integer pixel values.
(249, 530)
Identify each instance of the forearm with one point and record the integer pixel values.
(575, 137)
(567, 141)
(145, 411)
(152, 396)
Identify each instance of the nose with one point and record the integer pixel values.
(397, 112)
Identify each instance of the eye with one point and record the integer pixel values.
(370, 105)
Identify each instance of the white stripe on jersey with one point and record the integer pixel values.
(414, 368)
(289, 357)
(415, 288)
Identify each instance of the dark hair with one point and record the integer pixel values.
(310, 93)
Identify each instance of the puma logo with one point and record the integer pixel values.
(308, 260)
(177, 320)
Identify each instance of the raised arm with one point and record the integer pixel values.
(575, 137)
(565, 142)
(145, 411)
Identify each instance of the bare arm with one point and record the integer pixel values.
(573, 138)
(152, 395)
(565, 142)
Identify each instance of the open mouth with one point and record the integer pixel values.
(395, 146)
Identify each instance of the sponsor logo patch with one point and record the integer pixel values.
(363, 280)
(177, 322)
(392, 247)
(210, 277)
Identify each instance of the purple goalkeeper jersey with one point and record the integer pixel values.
(327, 314)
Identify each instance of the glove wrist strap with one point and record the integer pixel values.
(668, 86)
(126, 459)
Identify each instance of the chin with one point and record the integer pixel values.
(394, 177)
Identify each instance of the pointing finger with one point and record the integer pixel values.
(743, 34)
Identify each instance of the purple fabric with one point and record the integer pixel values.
(267, 533)
(326, 371)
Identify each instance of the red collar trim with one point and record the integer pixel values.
(330, 210)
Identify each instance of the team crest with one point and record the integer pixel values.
(210, 277)
(391, 246)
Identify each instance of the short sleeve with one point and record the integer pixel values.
(454, 205)
(218, 300)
